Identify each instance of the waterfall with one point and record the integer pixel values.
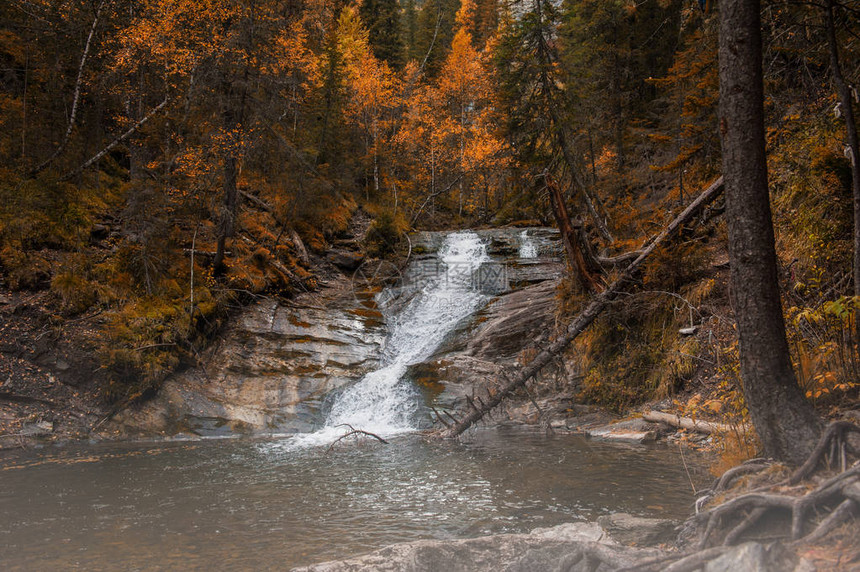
(528, 248)
(382, 402)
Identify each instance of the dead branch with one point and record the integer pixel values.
(131, 130)
(16, 398)
(353, 431)
(587, 271)
(613, 261)
(432, 196)
(75, 98)
(439, 417)
(587, 316)
(698, 425)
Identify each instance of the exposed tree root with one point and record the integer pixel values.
(842, 489)
(838, 497)
(727, 478)
(834, 439)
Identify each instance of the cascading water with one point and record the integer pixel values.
(382, 402)
(528, 248)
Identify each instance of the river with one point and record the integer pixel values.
(260, 504)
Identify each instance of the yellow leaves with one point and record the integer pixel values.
(293, 56)
(175, 34)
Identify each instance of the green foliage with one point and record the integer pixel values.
(382, 19)
(823, 340)
(383, 236)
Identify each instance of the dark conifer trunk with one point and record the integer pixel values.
(232, 124)
(844, 92)
(784, 420)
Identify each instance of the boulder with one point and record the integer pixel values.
(628, 431)
(755, 557)
(634, 530)
(345, 260)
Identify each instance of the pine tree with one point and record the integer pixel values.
(436, 26)
(784, 421)
(382, 20)
(410, 29)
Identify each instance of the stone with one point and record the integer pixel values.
(553, 549)
(345, 259)
(629, 431)
(638, 531)
(755, 557)
(39, 429)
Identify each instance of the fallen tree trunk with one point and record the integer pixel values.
(705, 427)
(587, 316)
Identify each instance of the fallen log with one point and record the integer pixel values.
(697, 425)
(588, 315)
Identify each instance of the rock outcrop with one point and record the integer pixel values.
(568, 547)
(271, 371)
(275, 364)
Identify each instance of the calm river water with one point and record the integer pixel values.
(262, 504)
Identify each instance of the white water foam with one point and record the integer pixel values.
(382, 402)
(528, 248)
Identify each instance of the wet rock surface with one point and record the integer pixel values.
(271, 371)
(550, 549)
(516, 321)
(274, 367)
(637, 531)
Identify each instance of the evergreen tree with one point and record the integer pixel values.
(436, 26)
(410, 29)
(382, 20)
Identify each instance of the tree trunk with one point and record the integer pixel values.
(583, 271)
(784, 420)
(230, 197)
(844, 93)
(227, 218)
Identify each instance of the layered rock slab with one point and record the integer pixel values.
(271, 371)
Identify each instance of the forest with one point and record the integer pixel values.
(168, 166)
(165, 162)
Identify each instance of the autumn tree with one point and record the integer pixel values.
(466, 88)
(371, 87)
